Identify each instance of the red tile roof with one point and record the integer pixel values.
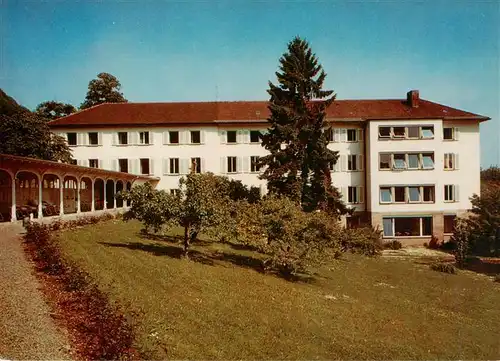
(137, 114)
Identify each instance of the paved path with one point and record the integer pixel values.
(27, 330)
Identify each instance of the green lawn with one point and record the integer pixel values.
(218, 306)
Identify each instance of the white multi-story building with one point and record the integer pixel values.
(408, 165)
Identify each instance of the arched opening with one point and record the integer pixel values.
(86, 194)
(119, 189)
(99, 194)
(129, 187)
(50, 195)
(110, 194)
(26, 195)
(5, 196)
(70, 194)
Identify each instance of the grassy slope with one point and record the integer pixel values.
(375, 308)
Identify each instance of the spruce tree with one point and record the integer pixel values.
(298, 165)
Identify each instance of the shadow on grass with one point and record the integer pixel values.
(170, 239)
(486, 266)
(211, 259)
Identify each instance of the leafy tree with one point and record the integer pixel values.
(460, 238)
(202, 205)
(484, 223)
(491, 174)
(238, 191)
(298, 165)
(26, 134)
(104, 89)
(53, 110)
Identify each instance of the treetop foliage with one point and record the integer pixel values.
(298, 165)
(104, 89)
(53, 110)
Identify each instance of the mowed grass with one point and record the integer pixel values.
(218, 306)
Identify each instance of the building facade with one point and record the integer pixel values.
(407, 166)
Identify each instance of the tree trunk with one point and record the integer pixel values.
(186, 241)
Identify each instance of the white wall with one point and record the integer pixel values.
(467, 177)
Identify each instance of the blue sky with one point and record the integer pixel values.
(200, 51)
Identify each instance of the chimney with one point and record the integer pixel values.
(412, 98)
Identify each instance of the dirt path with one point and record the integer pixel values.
(27, 330)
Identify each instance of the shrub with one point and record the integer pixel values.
(497, 278)
(394, 245)
(363, 240)
(434, 243)
(100, 329)
(460, 238)
(444, 267)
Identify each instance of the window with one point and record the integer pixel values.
(399, 132)
(195, 137)
(352, 135)
(254, 164)
(448, 134)
(93, 138)
(449, 223)
(173, 137)
(413, 132)
(231, 164)
(330, 135)
(353, 221)
(428, 194)
(428, 132)
(384, 132)
(73, 161)
(145, 166)
(450, 193)
(450, 161)
(352, 195)
(400, 194)
(385, 195)
(414, 194)
(93, 163)
(413, 162)
(231, 136)
(428, 161)
(399, 161)
(122, 138)
(255, 136)
(71, 138)
(175, 192)
(385, 161)
(195, 165)
(174, 166)
(352, 163)
(123, 165)
(143, 137)
(407, 226)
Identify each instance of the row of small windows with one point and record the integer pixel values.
(254, 136)
(415, 132)
(416, 194)
(403, 161)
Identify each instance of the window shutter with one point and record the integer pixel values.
(184, 166)
(336, 137)
(246, 165)
(343, 137)
(151, 165)
(239, 164)
(222, 136)
(455, 161)
(151, 137)
(99, 138)
(133, 138)
(202, 136)
(130, 165)
(360, 135)
(165, 163)
(114, 164)
(457, 195)
(456, 133)
(223, 168)
(165, 137)
(79, 162)
(184, 137)
(343, 162)
(361, 194)
(344, 191)
(114, 138)
(79, 139)
(246, 136)
(360, 162)
(203, 164)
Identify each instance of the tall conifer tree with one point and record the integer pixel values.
(298, 165)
